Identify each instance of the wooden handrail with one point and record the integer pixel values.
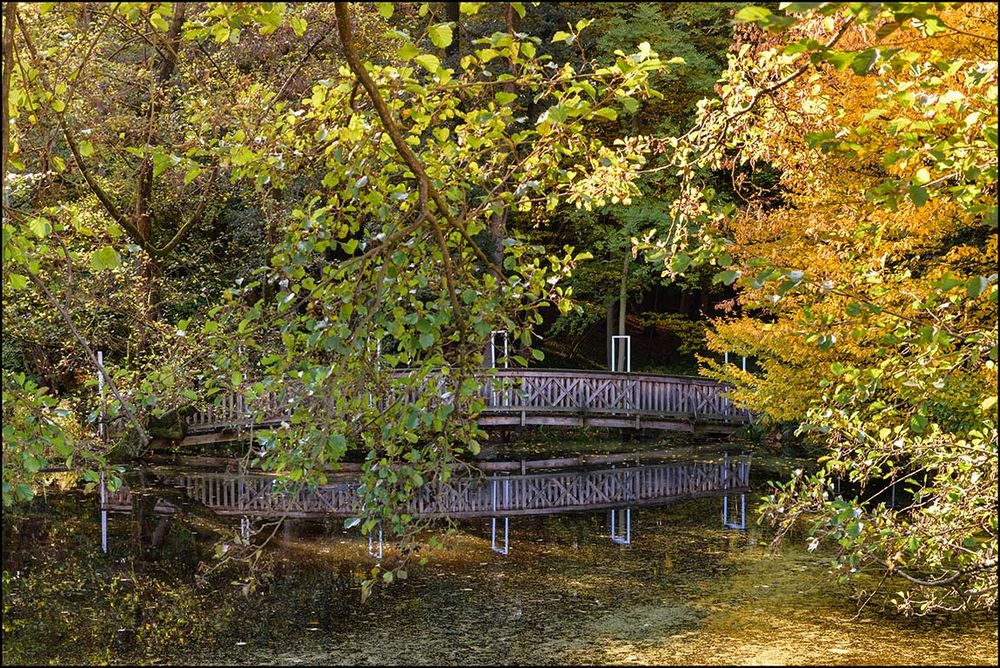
(539, 392)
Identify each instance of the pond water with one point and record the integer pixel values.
(686, 591)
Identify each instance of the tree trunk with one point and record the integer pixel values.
(9, 19)
(622, 301)
(498, 221)
(454, 14)
(611, 331)
(150, 266)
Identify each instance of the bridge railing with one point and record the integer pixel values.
(508, 391)
(511, 390)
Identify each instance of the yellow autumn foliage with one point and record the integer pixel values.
(853, 249)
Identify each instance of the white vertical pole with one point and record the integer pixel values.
(616, 342)
(101, 429)
(102, 433)
(493, 348)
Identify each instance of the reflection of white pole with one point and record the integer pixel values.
(104, 516)
(371, 547)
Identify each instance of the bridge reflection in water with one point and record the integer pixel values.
(558, 490)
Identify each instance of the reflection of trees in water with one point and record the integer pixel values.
(64, 601)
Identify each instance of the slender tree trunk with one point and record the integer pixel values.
(9, 19)
(83, 22)
(150, 268)
(498, 221)
(454, 14)
(610, 320)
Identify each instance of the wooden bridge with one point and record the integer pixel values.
(553, 491)
(518, 397)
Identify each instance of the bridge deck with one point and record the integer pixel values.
(519, 397)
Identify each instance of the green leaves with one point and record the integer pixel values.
(408, 51)
(978, 284)
(37, 429)
(863, 62)
(41, 227)
(17, 281)
(763, 17)
(441, 35)
(504, 98)
(429, 62)
(752, 14)
(726, 276)
(680, 262)
(103, 258)
(242, 155)
(163, 161)
(919, 195)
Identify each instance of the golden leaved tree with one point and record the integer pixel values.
(862, 140)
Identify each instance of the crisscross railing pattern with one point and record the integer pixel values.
(528, 396)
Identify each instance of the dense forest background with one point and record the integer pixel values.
(238, 196)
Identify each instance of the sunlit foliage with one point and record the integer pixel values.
(868, 295)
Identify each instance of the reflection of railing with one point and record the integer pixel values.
(520, 396)
(525, 494)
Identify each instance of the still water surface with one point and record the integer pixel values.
(686, 591)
